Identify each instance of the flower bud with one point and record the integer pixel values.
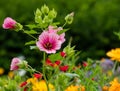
(38, 17)
(44, 9)
(15, 64)
(52, 14)
(9, 23)
(69, 18)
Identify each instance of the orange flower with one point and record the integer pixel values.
(105, 88)
(115, 85)
(114, 54)
(75, 88)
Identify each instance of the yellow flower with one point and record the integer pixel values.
(114, 54)
(32, 80)
(75, 88)
(115, 85)
(1, 71)
(105, 88)
(11, 74)
(40, 85)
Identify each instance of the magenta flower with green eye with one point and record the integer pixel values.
(49, 42)
(9, 23)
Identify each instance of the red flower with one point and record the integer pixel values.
(64, 68)
(36, 75)
(93, 79)
(63, 54)
(25, 89)
(23, 84)
(48, 62)
(57, 62)
(85, 64)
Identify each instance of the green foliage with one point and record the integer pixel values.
(92, 29)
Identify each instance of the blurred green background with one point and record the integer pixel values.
(92, 28)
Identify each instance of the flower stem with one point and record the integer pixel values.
(64, 24)
(44, 72)
(29, 34)
(114, 67)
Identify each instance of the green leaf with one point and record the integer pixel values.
(33, 47)
(31, 26)
(30, 42)
(118, 34)
(55, 57)
(30, 32)
(62, 31)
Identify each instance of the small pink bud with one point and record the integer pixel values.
(15, 64)
(9, 23)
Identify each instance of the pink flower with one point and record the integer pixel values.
(14, 64)
(49, 42)
(9, 23)
(52, 29)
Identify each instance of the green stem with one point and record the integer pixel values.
(29, 34)
(44, 72)
(64, 24)
(113, 70)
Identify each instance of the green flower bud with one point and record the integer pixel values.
(47, 20)
(69, 18)
(52, 14)
(38, 12)
(38, 15)
(44, 9)
(38, 19)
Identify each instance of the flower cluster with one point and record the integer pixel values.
(60, 70)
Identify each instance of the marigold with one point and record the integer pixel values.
(11, 74)
(105, 88)
(115, 85)
(114, 54)
(40, 85)
(1, 71)
(75, 88)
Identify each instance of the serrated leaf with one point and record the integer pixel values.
(30, 42)
(31, 32)
(62, 31)
(54, 57)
